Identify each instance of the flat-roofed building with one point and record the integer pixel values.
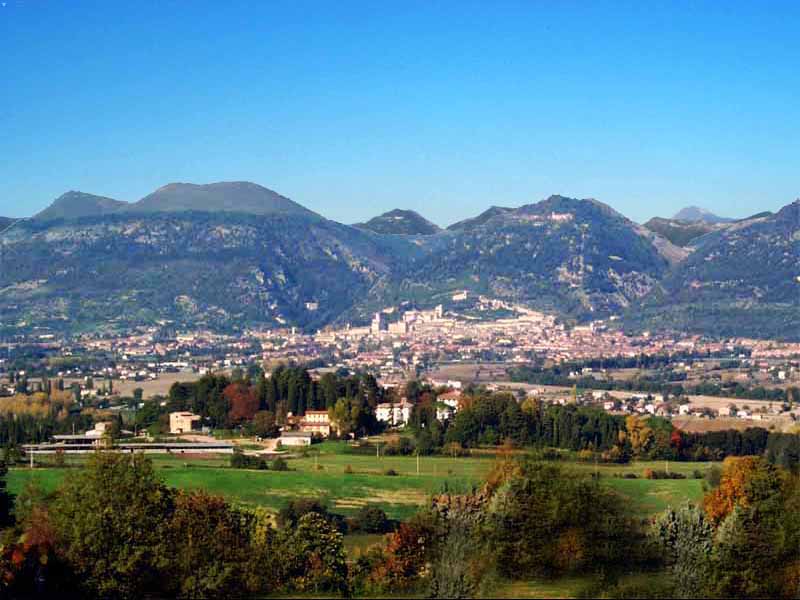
(395, 414)
(183, 422)
(316, 422)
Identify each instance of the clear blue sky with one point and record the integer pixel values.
(352, 108)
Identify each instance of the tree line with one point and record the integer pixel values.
(496, 419)
(228, 401)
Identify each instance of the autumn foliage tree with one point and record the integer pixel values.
(406, 555)
(639, 435)
(242, 400)
(745, 481)
(114, 530)
(29, 565)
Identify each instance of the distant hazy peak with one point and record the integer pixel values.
(695, 213)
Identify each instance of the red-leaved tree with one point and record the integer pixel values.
(242, 401)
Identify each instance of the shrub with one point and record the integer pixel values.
(280, 464)
(454, 449)
(289, 516)
(390, 473)
(714, 476)
(242, 461)
(348, 470)
(371, 519)
(656, 474)
(550, 454)
(401, 446)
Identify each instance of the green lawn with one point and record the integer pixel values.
(400, 496)
(322, 474)
(638, 467)
(650, 497)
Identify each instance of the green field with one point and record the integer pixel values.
(322, 474)
(347, 480)
(323, 478)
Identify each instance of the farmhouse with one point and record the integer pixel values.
(394, 414)
(183, 422)
(316, 422)
(451, 399)
(444, 411)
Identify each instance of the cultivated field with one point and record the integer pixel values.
(695, 425)
(150, 388)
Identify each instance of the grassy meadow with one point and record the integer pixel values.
(348, 480)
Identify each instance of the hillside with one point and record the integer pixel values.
(220, 269)
(5, 222)
(217, 270)
(577, 257)
(400, 222)
(743, 279)
(75, 205)
(469, 224)
(680, 233)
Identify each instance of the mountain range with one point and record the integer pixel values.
(236, 254)
(236, 196)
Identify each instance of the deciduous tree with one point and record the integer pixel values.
(109, 521)
(242, 401)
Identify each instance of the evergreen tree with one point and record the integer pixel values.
(6, 498)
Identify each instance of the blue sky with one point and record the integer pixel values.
(446, 108)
